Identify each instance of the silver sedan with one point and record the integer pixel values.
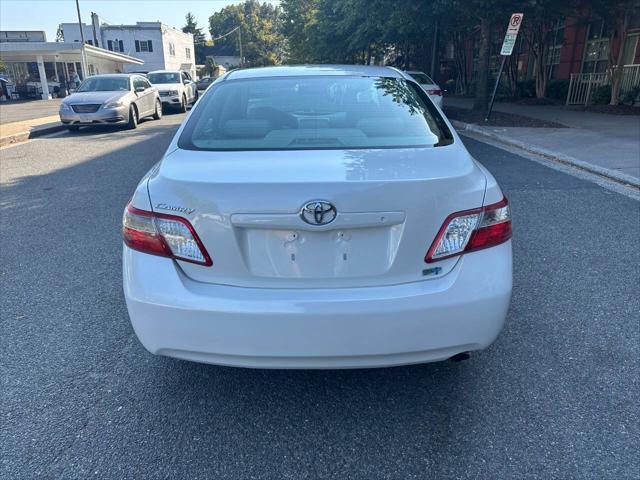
(111, 99)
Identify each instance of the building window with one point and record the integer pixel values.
(596, 56)
(144, 46)
(597, 50)
(115, 45)
(90, 42)
(172, 49)
(555, 39)
(187, 52)
(630, 47)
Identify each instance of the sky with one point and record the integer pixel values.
(47, 14)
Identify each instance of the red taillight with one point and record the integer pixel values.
(472, 230)
(164, 235)
(435, 91)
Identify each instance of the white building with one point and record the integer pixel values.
(160, 47)
(227, 61)
(7, 36)
(40, 69)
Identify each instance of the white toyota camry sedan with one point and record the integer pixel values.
(317, 217)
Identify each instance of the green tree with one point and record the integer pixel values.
(191, 27)
(299, 20)
(260, 32)
(199, 41)
(616, 15)
(361, 31)
(541, 17)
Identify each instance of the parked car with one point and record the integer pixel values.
(204, 82)
(177, 89)
(317, 217)
(428, 85)
(111, 99)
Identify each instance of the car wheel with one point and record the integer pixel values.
(133, 118)
(158, 113)
(183, 105)
(73, 128)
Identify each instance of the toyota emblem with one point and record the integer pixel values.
(318, 212)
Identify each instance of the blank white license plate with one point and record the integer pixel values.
(85, 118)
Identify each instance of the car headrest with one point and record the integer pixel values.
(246, 128)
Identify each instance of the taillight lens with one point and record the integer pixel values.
(435, 91)
(163, 235)
(472, 230)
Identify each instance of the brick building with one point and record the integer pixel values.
(578, 47)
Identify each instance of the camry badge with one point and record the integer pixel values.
(318, 212)
(173, 208)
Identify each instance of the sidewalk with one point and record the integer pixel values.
(20, 121)
(605, 144)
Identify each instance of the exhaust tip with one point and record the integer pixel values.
(460, 357)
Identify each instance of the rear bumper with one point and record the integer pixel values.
(403, 324)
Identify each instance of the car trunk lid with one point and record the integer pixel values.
(247, 208)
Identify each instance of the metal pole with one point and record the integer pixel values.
(83, 54)
(495, 88)
(240, 41)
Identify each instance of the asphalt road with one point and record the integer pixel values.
(555, 397)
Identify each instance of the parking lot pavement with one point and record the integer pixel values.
(554, 397)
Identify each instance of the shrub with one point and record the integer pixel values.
(601, 95)
(558, 89)
(450, 86)
(631, 96)
(526, 89)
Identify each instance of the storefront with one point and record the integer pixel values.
(46, 69)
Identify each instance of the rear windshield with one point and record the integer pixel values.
(104, 84)
(164, 77)
(422, 78)
(314, 113)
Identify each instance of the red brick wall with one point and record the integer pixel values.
(575, 36)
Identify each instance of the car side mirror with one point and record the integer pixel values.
(139, 89)
(186, 82)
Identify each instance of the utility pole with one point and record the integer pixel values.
(240, 41)
(83, 53)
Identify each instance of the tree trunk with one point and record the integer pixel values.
(539, 49)
(481, 101)
(618, 69)
(541, 74)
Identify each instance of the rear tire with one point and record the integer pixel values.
(157, 115)
(183, 105)
(73, 128)
(133, 118)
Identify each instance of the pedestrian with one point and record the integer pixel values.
(75, 78)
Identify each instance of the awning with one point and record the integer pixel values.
(59, 52)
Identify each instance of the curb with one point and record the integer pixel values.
(550, 155)
(33, 133)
